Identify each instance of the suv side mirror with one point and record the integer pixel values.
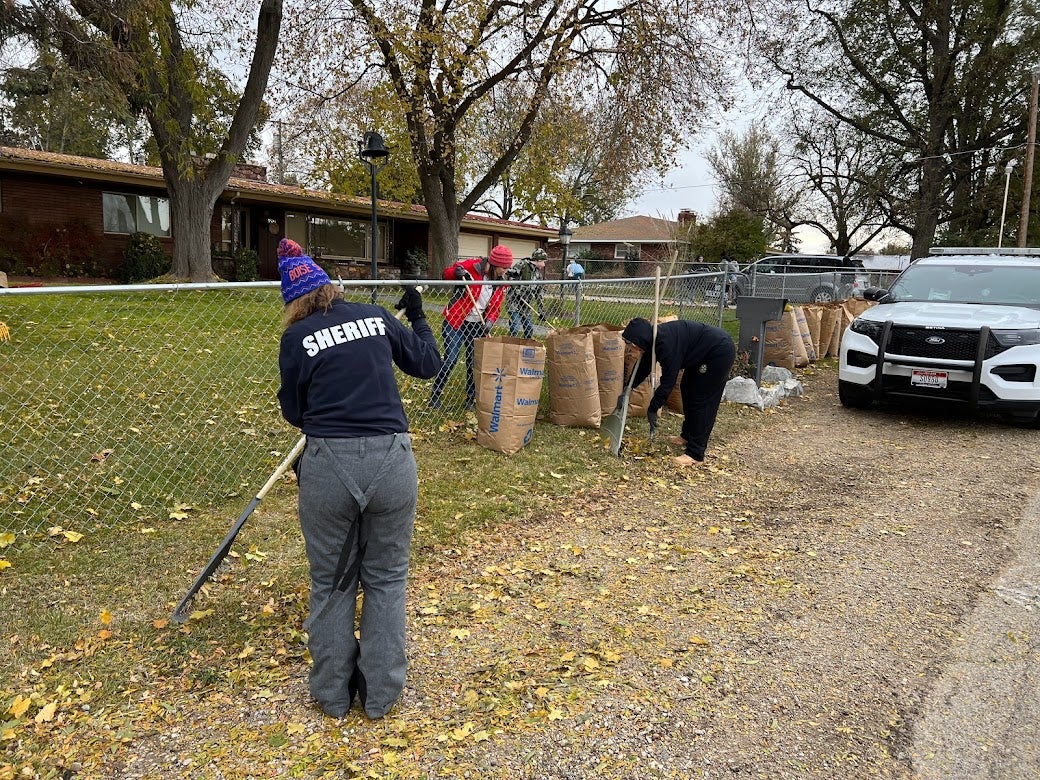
(876, 294)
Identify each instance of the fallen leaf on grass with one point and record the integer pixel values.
(20, 706)
(47, 713)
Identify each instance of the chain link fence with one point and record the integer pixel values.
(134, 403)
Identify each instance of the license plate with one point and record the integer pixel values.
(936, 379)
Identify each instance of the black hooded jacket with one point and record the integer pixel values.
(681, 344)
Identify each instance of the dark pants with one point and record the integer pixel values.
(702, 387)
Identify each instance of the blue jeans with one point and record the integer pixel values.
(520, 321)
(454, 340)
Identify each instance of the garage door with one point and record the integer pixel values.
(519, 246)
(472, 245)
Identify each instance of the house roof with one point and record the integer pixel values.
(239, 189)
(630, 230)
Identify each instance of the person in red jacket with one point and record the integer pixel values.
(469, 315)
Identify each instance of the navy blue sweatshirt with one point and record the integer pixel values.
(337, 370)
(681, 344)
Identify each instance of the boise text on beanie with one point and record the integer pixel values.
(501, 256)
(300, 275)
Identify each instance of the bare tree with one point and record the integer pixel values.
(754, 177)
(934, 82)
(845, 181)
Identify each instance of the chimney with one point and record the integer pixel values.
(687, 217)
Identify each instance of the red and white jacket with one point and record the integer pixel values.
(461, 303)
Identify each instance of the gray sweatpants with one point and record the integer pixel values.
(371, 482)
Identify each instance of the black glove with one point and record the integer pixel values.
(620, 400)
(411, 302)
(462, 273)
(651, 417)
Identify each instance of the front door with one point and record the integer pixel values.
(271, 230)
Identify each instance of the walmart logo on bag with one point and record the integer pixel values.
(496, 407)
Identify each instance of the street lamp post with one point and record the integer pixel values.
(565, 240)
(373, 153)
(1003, 211)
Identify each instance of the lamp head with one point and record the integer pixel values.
(371, 148)
(565, 234)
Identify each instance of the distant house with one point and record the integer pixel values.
(48, 198)
(641, 240)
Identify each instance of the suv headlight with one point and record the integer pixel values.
(869, 328)
(1016, 338)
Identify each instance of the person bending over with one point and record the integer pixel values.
(705, 355)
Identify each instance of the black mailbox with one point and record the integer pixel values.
(753, 314)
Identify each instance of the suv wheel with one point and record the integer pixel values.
(853, 396)
(822, 295)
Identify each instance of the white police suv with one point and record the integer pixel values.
(960, 326)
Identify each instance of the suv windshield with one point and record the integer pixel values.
(994, 284)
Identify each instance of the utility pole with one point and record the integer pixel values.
(1027, 173)
(281, 158)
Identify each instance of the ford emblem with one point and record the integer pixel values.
(935, 340)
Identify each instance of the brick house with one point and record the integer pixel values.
(631, 246)
(92, 206)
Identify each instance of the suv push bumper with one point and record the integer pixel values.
(1007, 382)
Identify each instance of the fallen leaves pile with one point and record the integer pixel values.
(755, 617)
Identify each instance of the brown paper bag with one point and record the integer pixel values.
(508, 373)
(573, 385)
(778, 348)
(801, 356)
(829, 326)
(803, 330)
(812, 318)
(674, 401)
(610, 362)
(856, 306)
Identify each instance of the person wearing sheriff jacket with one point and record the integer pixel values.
(357, 476)
(469, 315)
(705, 354)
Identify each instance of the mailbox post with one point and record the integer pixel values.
(753, 314)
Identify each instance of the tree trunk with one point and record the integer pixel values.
(191, 212)
(443, 226)
(927, 207)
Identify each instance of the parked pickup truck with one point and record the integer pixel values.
(962, 327)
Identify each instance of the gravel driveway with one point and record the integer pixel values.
(805, 607)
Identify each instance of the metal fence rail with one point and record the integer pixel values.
(126, 404)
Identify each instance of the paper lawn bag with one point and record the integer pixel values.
(779, 348)
(508, 374)
(610, 362)
(803, 329)
(570, 356)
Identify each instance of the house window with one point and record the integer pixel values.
(624, 251)
(136, 214)
(337, 239)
